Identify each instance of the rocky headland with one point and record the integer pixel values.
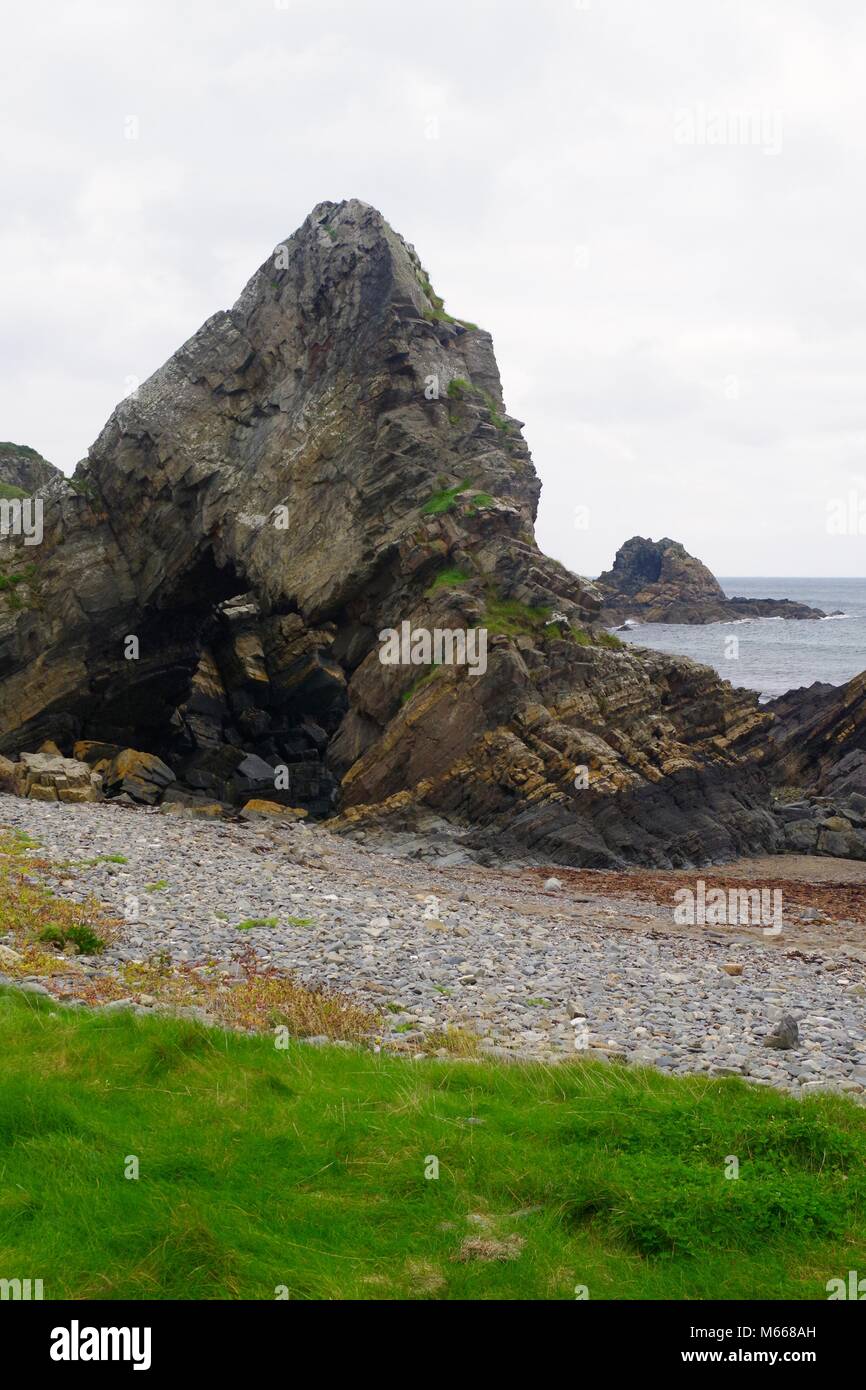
(23, 471)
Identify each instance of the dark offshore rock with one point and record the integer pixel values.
(659, 582)
(329, 459)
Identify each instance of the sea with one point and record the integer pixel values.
(772, 655)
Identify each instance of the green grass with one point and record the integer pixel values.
(9, 491)
(79, 935)
(31, 913)
(506, 617)
(84, 485)
(510, 618)
(493, 413)
(251, 922)
(459, 388)
(28, 575)
(444, 500)
(438, 312)
(304, 1168)
(451, 578)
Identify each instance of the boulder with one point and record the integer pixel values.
(205, 810)
(92, 752)
(143, 776)
(51, 777)
(801, 837)
(257, 807)
(785, 1035)
(253, 774)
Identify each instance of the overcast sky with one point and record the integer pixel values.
(656, 209)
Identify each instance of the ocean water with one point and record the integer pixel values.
(775, 654)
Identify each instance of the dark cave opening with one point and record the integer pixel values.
(238, 703)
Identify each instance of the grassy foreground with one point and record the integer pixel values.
(305, 1168)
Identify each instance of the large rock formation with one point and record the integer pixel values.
(660, 582)
(329, 459)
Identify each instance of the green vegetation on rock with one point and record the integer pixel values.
(438, 313)
(459, 389)
(85, 941)
(450, 578)
(443, 501)
(6, 447)
(507, 617)
(511, 618)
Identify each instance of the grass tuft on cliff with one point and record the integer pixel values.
(451, 578)
(505, 617)
(444, 500)
(438, 313)
(261, 1169)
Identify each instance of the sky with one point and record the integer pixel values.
(655, 208)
